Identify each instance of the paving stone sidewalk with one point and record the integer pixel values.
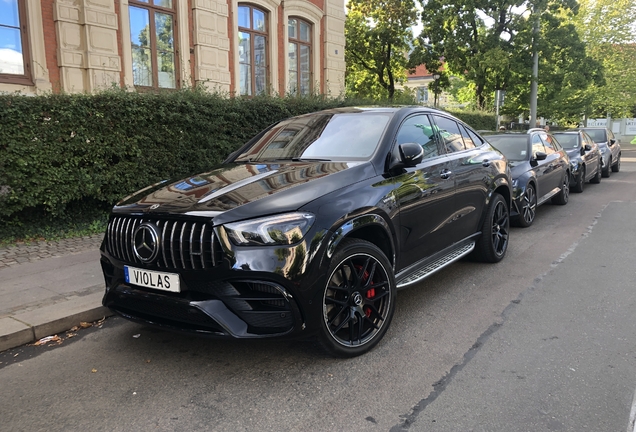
(37, 250)
(48, 287)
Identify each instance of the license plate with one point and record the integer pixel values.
(152, 279)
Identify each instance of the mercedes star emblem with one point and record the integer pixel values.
(146, 242)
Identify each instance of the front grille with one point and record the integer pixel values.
(182, 244)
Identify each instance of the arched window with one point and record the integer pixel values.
(299, 33)
(152, 34)
(252, 32)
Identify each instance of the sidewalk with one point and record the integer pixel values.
(49, 287)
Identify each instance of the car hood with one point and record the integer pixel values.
(234, 192)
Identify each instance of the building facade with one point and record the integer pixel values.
(418, 81)
(231, 46)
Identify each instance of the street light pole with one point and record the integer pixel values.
(534, 85)
(435, 88)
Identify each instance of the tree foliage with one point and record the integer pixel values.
(607, 28)
(489, 43)
(378, 36)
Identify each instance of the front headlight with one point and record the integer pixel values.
(515, 182)
(285, 229)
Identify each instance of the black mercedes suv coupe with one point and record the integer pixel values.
(310, 228)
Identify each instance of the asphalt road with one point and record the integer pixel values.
(539, 342)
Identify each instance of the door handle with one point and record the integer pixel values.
(445, 174)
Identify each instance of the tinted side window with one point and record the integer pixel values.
(468, 141)
(418, 129)
(476, 138)
(537, 145)
(547, 140)
(449, 133)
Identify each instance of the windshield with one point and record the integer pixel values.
(598, 135)
(514, 147)
(568, 141)
(320, 136)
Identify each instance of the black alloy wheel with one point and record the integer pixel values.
(528, 207)
(563, 196)
(580, 181)
(493, 243)
(607, 169)
(617, 166)
(358, 300)
(597, 177)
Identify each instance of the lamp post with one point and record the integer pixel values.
(436, 78)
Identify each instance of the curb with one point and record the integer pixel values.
(30, 326)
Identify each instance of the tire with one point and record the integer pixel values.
(493, 243)
(580, 181)
(358, 300)
(563, 196)
(597, 177)
(617, 166)
(606, 170)
(528, 209)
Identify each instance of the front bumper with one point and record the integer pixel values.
(236, 308)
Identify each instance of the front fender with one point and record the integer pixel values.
(355, 224)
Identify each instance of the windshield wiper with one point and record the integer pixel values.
(297, 159)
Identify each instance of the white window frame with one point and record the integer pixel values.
(312, 14)
(270, 7)
(183, 42)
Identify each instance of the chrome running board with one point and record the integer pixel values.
(430, 268)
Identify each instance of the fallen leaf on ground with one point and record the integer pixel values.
(94, 370)
(45, 340)
(85, 324)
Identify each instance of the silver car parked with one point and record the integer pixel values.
(610, 148)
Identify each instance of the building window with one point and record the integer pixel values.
(252, 32)
(299, 33)
(152, 35)
(422, 95)
(14, 43)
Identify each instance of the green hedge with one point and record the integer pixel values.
(59, 151)
(479, 120)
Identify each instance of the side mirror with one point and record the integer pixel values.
(411, 154)
(540, 155)
(612, 141)
(587, 147)
(582, 152)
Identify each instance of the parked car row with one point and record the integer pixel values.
(311, 228)
(547, 166)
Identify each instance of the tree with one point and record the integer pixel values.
(489, 43)
(606, 27)
(378, 35)
(457, 30)
(565, 73)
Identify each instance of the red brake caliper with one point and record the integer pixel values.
(370, 294)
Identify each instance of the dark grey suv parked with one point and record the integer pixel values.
(610, 148)
(310, 228)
